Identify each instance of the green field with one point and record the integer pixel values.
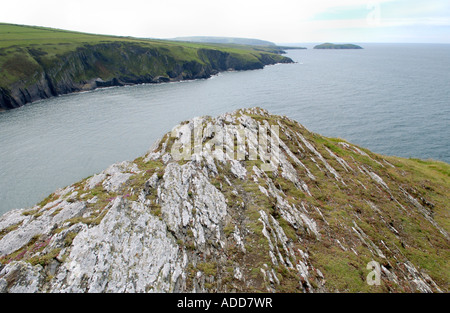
(60, 41)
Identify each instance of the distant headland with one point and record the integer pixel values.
(39, 63)
(337, 46)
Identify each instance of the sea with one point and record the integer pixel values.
(393, 99)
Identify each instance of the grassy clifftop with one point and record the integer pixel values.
(37, 62)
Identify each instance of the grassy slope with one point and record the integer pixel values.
(419, 242)
(427, 181)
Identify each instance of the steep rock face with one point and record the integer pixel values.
(117, 64)
(220, 220)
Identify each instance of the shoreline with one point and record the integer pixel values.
(121, 84)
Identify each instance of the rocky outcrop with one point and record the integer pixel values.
(117, 64)
(218, 218)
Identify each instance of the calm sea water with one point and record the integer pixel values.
(392, 99)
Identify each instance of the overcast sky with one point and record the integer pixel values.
(281, 21)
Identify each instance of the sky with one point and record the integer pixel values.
(280, 21)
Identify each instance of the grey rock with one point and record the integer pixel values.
(210, 223)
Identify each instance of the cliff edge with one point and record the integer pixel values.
(39, 63)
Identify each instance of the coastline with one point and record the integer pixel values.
(121, 84)
(46, 69)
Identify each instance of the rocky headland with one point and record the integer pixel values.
(329, 217)
(34, 65)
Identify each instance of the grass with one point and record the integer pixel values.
(44, 260)
(209, 268)
(344, 270)
(13, 227)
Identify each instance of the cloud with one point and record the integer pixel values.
(424, 21)
(280, 21)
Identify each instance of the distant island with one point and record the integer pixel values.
(337, 46)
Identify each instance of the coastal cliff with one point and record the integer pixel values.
(38, 69)
(321, 220)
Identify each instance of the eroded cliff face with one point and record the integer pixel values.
(217, 221)
(41, 75)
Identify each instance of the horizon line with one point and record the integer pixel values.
(246, 37)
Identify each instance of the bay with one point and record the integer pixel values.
(393, 99)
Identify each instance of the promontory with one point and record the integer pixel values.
(38, 63)
(305, 213)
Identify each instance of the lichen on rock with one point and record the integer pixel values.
(215, 221)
